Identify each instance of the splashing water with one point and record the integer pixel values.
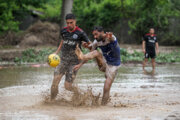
(76, 98)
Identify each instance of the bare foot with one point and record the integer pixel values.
(105, 101)
(79, 52)
(153, 71)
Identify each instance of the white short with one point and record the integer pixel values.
(111, 71)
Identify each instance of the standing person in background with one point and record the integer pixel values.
(72, 35)
(150, 48)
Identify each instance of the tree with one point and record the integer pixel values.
(11, 9)
(65, 9)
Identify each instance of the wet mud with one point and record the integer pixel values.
(134, 95)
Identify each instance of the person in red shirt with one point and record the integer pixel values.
(72, 35)
(150, 48)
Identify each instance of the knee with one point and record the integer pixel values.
(54, 87)
(68, 86)
(96, 53)
(99, 53)
(103, 69)
(153, 60)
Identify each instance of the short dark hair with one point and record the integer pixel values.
(98, 28)
(70, 16)
(151, 28)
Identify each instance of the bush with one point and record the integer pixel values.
(31, 55)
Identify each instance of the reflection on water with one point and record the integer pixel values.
(17, 76)
(153, 94)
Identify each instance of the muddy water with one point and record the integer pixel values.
(135, 95)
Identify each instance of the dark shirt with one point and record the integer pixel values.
(110, 51)
(71, 39)
(150, 41)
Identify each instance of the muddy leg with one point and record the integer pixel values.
(153, 64)
(87, 56)
(111, 72)
(54, 86)
(107, 87)
(144, 63)
(79, 53)
(70, 77)
(101, 63)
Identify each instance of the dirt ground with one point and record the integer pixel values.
(127, 105)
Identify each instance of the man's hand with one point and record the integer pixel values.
(77, 67)
(86, 45)
(157, 52)
(55, 52)
(144, 51)
(109, 36)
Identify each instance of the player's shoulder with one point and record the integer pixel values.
(154, 35)
(147, 34)
(79, 30)
(65, 29)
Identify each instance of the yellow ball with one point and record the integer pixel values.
(53, 60)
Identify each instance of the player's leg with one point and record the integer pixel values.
(145, 60)
(101, 63)
(87, 56)
(153, 63)
(93, 54)
(111, 72)
(58, 74)
(54, 86)
(153, 55)
(70, 77)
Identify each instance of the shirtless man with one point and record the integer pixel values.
(108, 59)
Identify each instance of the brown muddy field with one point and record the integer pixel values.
(135, 95)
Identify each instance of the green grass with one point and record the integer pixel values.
(161, 57)
(31, 55)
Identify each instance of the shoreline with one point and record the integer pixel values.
(38, 64)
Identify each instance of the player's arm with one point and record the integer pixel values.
(62, 40)
(78, 66)
(86, 42)
(59, 48)
(143, 46)
(87, 45)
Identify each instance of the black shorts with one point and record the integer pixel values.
(150, 54)
(66, 68)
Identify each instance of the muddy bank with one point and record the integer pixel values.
(40, 33)
(16, 51)
(134, 104)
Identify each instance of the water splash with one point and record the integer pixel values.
(76, 98)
